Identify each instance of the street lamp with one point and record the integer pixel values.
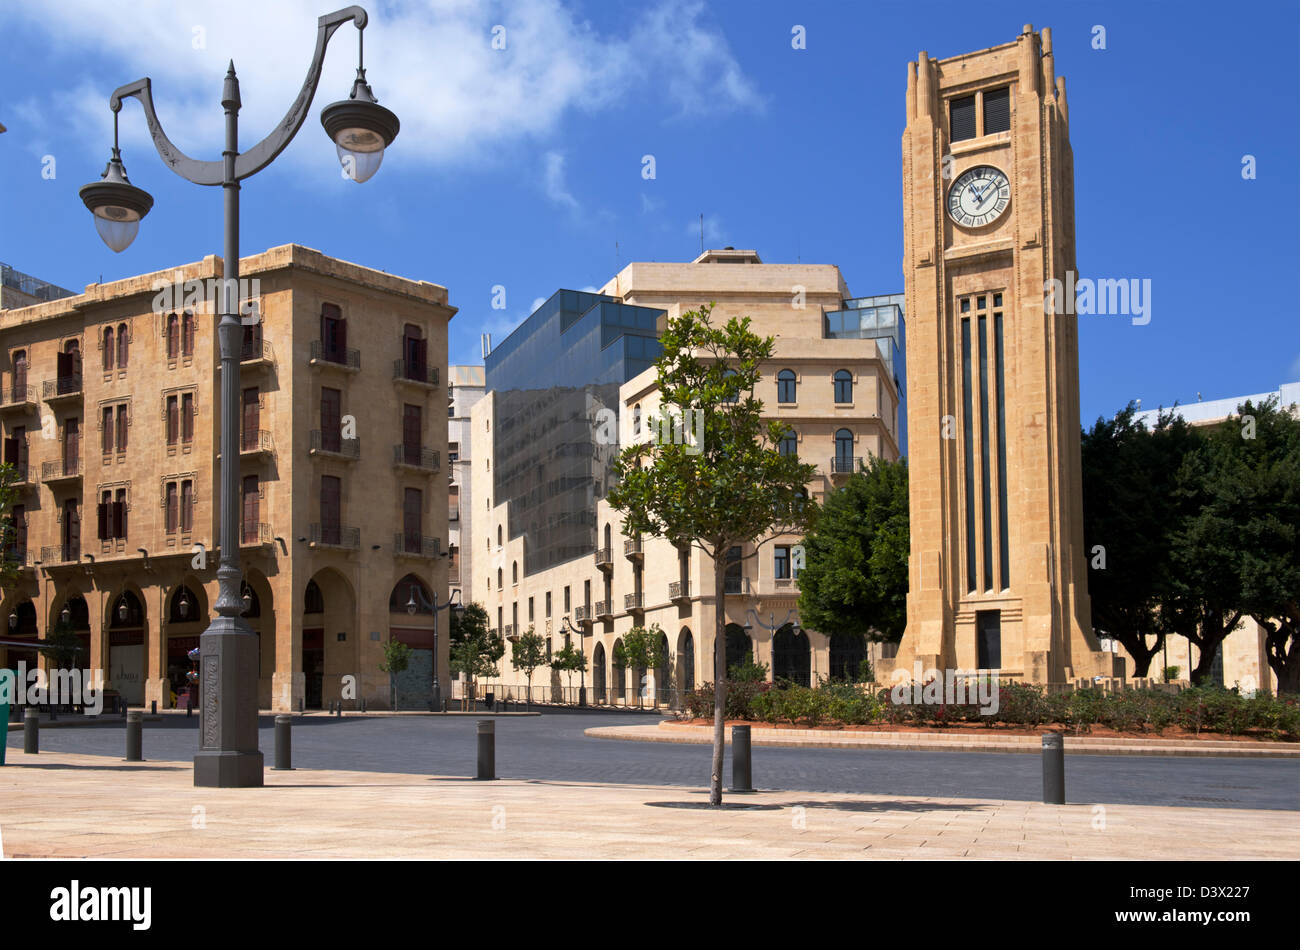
(121, 609)
(361, 129)
(582, 672)
(771, 626)
(433, 606)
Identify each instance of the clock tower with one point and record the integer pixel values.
(998, 575)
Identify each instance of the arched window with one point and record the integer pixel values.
(636, 419)
(498, 535)
(411, 590)
(20, 375)
(789, 444)
(740, 650)
(187, 334)
(109, 349)
(501, 579)
(123, 345)
(843, 386)
(313, 601)
(514, 572)
(786, 387)
(844, 451)
(173, 336)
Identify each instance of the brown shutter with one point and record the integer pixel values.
(422, 360)
(330, 513)
(123, 346)
(121, 428)
(173, 337)
(250, 512)
(342, 342)
(119, 519)
(187, 417)
(412, 519)
(63, 364)
(106, 431)
(106, 344)
(187, 506)
(71, 445)
(11, 452)
(173, 420)
(331, 420)
(412, 433)
(171, 507)
(102, 514)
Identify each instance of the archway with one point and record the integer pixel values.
(126, 635)
(22, 629)
(664, 692)
(685, 663)
(328, 636)
(740, 649)
(259, 613)
(410, 621)
(598, 673)
(186, 619)
(70, 615)
(791, 656)
(847, 653)
(620, 675)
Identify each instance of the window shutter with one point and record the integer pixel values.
(101, 512)
(187, 418)
(11, 451)
(997, 110)
(119, 519)
(961, 113)
(342, 341)
(121, 428)
(63, 363)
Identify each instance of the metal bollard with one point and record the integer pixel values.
(189, 708)
(363, 704)
(134, 735)
(338, 710)
(31, 730)
(487, 750)
(283, 744)
(1053, 769)
(54, 713)
(741, 760)
(302, 705)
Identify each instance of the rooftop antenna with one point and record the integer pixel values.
(701, 232)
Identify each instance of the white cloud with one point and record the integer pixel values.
(1295, 368)
(650, 205)
(713, 232)
(459, 100)
(553, 181)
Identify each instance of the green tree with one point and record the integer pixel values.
(1254, 494)
(639, 650)
(62, 645)
(569, 660)
(729, 485)
(9, 565)
(527, 653)
(475, 650)
(397, 657)
(855, 580)
(1130, 509)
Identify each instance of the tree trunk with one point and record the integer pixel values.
(1283, 651)
(719, 675)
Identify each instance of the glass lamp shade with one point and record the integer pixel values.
(118, 206)
(360, 129)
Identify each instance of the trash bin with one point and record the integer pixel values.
(8, 684)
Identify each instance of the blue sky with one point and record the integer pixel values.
(522, 167)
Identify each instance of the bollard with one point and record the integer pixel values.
(338, 710)
(487, 750)
(363, 704)
(124, 710)
(31, 730)
(283, 744)
(1053, 769)
(302, 705)
(134, 737)
(741, 759)
(54, 713)
(153, 708)
(189, 708)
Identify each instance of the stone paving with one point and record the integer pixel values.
(70, 805)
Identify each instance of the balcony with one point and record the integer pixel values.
(679, 590)
(417, 374)
(736, 585)
(845, 464)
(507, 631)
(58, 471)
(604, 610)
(330, 444)
(412, 544)
(252, 535)
(415, 458)
(255, 354)
(632, 549)
(18, 399)
(634, 602)
(61, 554)
(21, 558)
(334, 357)
(22, 475)
(582, 614)
(62, 389)
(337, 536)
(604, 559)
(256, 442)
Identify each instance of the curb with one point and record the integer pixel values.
(1073, 744)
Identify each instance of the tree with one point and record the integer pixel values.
(397, 657)
(527, 653)
(727, 485)
(475, 650)
(855, 579)
(1254, 492)
(1130, 509)
(568, 659)
(641, 649)
(62, 645)
(9, 565)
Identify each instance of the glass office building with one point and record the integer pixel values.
(881, 319)
(551, 377)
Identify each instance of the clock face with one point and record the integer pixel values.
(979, 196)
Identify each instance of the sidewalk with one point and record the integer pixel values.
(62, 805)
(953, 742)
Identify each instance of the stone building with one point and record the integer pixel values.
(109, 411)
(549, 553)
(998, 580)
(464, 388)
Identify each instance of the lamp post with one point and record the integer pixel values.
(361, 129)
(771, 627)
(582, 642)
(411, 607)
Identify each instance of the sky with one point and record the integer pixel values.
(523, 168)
